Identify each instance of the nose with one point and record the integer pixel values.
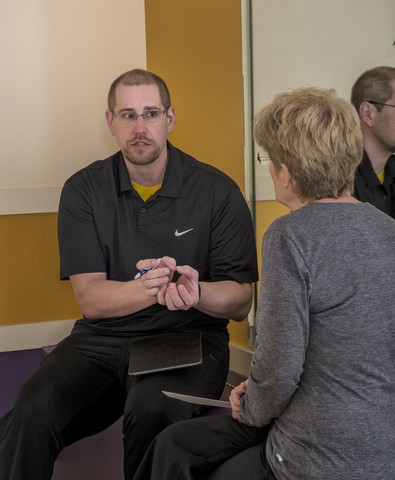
(139, 124)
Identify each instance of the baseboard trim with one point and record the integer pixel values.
(240, 359)
(33, 335)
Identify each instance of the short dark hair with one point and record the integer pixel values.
(137, 77)
(374, 84)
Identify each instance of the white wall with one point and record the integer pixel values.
(58, 60)
(299, 43)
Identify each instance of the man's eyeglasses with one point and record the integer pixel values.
(263, 159)
(127, 117)
(378, 103)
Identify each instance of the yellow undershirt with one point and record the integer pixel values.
(380, 176)
(145, 192)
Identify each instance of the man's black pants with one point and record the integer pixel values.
(82, 387)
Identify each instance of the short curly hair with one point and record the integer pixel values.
(317, 136)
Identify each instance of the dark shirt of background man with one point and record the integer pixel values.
(368, 187)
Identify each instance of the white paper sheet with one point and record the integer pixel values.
(199, 400)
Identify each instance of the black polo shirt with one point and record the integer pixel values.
(368, 187)
(199, 217)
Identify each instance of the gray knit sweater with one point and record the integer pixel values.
(324, 366)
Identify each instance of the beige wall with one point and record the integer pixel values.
(58, 59)
(316, 43)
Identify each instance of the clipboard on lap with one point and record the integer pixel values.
(165, 351)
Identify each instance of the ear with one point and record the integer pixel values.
(367, 112)
(110, 121)
(285, 176)
(171, 118)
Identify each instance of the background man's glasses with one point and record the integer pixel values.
(263, 159)
(378, 103)
(127, 117)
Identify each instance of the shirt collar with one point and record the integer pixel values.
(367, 171)
(172, 181)
(390, 166)
(369, 174)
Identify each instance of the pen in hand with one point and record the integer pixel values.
(145, 270)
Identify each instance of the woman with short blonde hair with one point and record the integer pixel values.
(317, 136)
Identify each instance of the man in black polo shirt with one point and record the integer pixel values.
(373, 95)
(149, 204)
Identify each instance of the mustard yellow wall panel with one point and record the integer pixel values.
(200, 57)
(266, 212)
(30, 289)
(196, 47)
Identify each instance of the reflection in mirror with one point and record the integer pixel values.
(291, 44)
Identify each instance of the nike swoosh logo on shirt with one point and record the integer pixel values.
(178, 234)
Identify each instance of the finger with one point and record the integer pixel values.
(236, 416)
(162, 295)
(169, 262)
(173, 299)
(157, 274)
(152, 292)
(146, 263)
(190, 272)
(188, 298)
(169, 303)
(153, 285)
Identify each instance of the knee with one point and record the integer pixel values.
(173, 434)
(146, 420)
(148, 415)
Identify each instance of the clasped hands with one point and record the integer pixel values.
(180, 295)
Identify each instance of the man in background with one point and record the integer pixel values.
(373, 95)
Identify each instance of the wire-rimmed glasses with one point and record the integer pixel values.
(130, 117)
(379, 103)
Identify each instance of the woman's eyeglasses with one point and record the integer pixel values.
(263, 159)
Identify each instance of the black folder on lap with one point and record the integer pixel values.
(165, 351)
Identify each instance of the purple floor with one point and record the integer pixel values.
(99, 457)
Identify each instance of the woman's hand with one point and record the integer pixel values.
(235, 399)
